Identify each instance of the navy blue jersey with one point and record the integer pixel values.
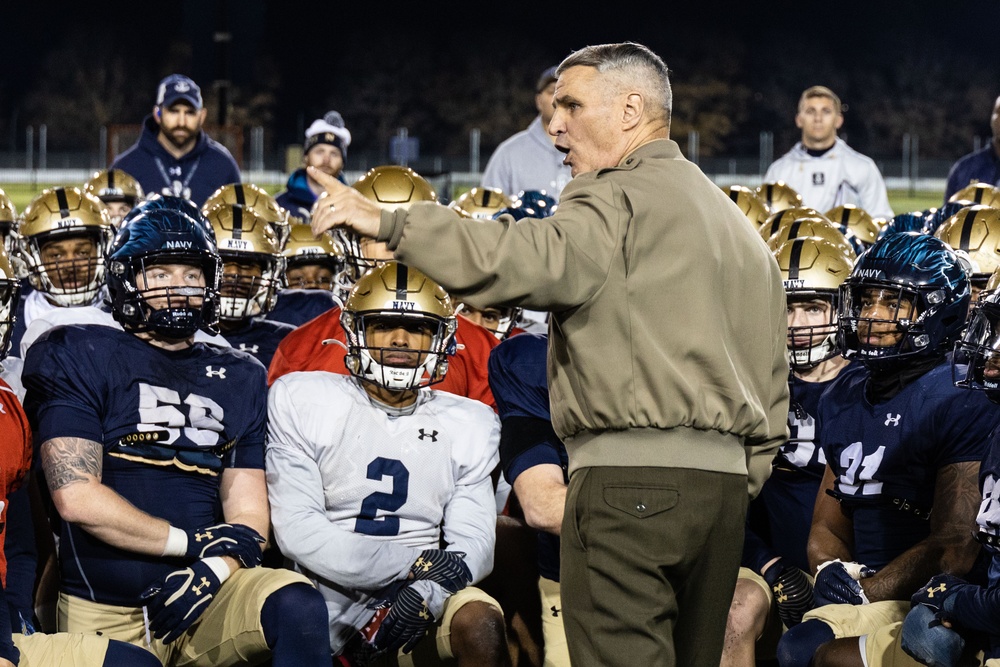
(259, 338)
(779, 519)
(169, 421)
(886, 456)
(298, 306)
(518, 381)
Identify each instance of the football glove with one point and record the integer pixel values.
(927, 641)
(937, 593)
(225, 539)
(792, 591)
(446, 568)
(838, 582)
(403, 625)
(179, 599)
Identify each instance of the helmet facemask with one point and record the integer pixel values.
(68, 267)
(881, 321)
(813, 339)
(396, 367)
(248, 286)
(976, 363)
(10, 291)
(171, 311)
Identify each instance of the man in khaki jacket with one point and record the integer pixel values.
(667, 365)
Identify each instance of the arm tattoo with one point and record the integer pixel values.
(70, 460)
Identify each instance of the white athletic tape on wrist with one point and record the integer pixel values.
(177, 542)
(218, 566)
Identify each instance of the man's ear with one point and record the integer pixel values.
(202, 115)
(156, 114)
(633, 110)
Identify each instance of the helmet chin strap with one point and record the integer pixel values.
(815, 355)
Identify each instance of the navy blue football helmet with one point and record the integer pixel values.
(914, 221)
(530, 204)
(172, 203)
(907, 296)
(157, 237)
(936, 216)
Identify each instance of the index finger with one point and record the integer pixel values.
(330, 183)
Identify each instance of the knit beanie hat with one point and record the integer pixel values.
(328, 130)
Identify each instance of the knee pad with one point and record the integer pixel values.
(798, 646)
(294, 611)
(927, 641)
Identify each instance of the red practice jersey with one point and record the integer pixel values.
(303, 350)
(15, 457)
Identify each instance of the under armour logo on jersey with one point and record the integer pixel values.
(889, 419)
(204, 582)
(433, 435)
(555, 611)
(819, 178)
(252, 349)
(221, 373)
(174, 171)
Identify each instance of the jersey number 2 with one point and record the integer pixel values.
(367, 523)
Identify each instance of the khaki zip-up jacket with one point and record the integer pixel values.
(667, 336)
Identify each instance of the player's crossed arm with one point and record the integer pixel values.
(73, 469)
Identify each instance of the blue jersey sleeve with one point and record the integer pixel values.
(64, 396)
(517, 373)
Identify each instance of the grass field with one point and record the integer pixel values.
(900, 200)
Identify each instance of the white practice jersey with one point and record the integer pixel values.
(840, 176)
(357, 494)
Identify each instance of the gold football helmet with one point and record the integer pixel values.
(778, 196)
(255, 197)
(252, 261)
(390, 187)
(976, 230)
(119, 191)
(753, 207)
(784, 217)
(304, 250)
(812, 270)
(481, 203)
(978, 193)
(861, 224)
(810, 226)
(65, 235)
(10, 291)
(391, 296)
(10, 231)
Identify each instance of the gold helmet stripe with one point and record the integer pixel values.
(967, 224)
(62, 202)
(238, 221)
(402, 278)
(795, 259)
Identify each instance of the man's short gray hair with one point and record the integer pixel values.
(635, 64)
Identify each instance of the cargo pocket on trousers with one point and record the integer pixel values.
(641, 501)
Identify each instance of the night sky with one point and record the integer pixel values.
(306, 38)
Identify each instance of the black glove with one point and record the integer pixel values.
(226, 539)
(446, 568)
(405, 623)
(838, 582)
(180, 599)
(792, 592)
(937, 592)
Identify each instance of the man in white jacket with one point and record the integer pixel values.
(823, 168)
